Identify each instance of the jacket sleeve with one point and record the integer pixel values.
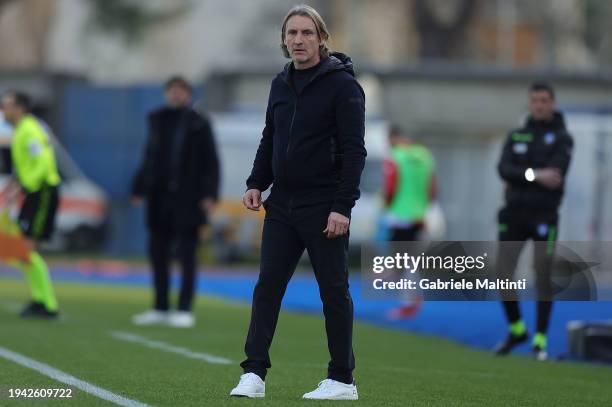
(139, 187)
(563, 154)
(350, 121)
(508, 170)
(210, 164)
(261, 175)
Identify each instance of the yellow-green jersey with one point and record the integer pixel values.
(33, 156)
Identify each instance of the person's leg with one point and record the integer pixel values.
(544, 311)
(511, 241)
(412, 303)
(39, 280)
(39, 271)
(281, 250)
(36, 290)
(545, 234)
(329, 258)
(159, 256)
(187, 245)
(37, 220)
(511, 237)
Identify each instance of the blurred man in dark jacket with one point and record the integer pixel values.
(179, 179)
(312, 153)
(533, 165)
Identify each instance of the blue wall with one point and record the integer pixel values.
(104, 129)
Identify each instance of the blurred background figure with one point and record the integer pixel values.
(179, 178)
(409, 189)
(410, 186)
(533, 166)
(35, 173)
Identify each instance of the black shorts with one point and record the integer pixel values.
(37, 216)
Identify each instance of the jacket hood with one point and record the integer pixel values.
(336, 61)
(558, 122)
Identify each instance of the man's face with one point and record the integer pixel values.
(177, 96)
(302, 42)
(12, 112)
(541, 105)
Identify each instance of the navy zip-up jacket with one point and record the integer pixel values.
(537, 145)
(312, 148)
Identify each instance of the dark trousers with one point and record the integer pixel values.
(286, 233)
(163, 244)
(518, 225)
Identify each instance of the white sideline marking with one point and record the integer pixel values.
(206, 357)
(65, 378)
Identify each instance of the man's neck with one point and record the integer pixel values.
(543, 121)
(309, 64)
(18, 119)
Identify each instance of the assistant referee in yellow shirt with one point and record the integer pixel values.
(35, 172)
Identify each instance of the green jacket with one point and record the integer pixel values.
(32, 155)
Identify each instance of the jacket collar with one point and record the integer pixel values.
(335, 62)
(557, 123)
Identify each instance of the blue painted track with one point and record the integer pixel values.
(477, 324)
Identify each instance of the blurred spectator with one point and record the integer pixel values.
(533, 165)
(179, 178)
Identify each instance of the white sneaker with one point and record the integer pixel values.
(181, 319)
(330, 389)
(540, 355)
(151, 317)
(250, 385)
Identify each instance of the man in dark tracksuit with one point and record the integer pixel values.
(312, 151)
(534, 162)
(179, 178)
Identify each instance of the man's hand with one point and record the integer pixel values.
(252, 199)
(207, 205)
(549, 177)
(10, 192)
(337, 225)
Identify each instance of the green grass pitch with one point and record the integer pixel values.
(393, 368)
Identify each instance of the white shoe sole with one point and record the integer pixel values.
(181, 326)
(251, 395)
(148, 323)
(345, 397)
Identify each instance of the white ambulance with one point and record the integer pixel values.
(81, 220)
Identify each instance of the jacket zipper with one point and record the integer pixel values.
(291, 125)
(292, 117)
(289, 136)
(291, 128)
(295, 109)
